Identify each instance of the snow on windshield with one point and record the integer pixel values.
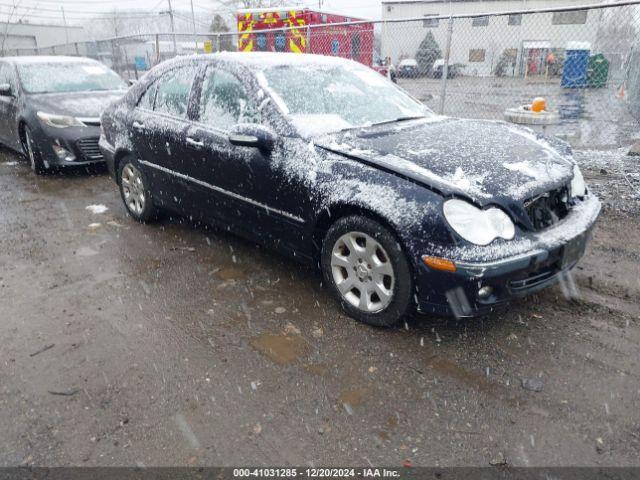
(59, 77)
(320, 99)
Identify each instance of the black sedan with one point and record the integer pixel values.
(333, 164)
(50, 108)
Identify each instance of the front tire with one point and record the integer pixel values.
(367, 270)
(33, 153)
(135, 192)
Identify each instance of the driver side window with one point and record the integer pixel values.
(5, 75)
(224, 101)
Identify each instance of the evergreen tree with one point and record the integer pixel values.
(218, 25)
(428, 52)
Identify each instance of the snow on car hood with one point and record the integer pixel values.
(483, 160)
(77, 104)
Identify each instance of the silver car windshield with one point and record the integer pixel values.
(59, 77)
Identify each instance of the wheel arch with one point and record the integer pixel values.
(329, 215)
(118, 157)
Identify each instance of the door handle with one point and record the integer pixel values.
(137, 125)
(194, 143)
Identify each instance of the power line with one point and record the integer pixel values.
(27, 16)
(88, 16)
(42, 9)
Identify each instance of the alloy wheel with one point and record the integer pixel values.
(362, 272)
(133, 189)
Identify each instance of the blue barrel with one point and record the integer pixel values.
(574, 73)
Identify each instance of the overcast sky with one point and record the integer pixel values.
(78, 11)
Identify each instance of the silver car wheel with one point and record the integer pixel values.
(133, 189)
(362, 272)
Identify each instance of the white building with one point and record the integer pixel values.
(29, 36)
(523, 41)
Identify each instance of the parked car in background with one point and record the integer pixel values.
(386, 69)
(50, 108)
(408, 68)
(333, 164)
(438, 68)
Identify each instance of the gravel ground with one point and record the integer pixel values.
(174, 344)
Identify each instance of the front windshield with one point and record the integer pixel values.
(68, 77)
(321, 100)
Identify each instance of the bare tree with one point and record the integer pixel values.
(617, 30)
(10, 16)
(13, 17)
(237, 4)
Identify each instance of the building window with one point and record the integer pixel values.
(576, 17)
(476, 55)
(515, 20)
(355, 46)
(431, 22)
(480, 21)
(280, 42)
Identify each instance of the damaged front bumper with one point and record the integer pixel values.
(484, 278)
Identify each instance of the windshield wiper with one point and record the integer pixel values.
(399, 119)
(386, 122)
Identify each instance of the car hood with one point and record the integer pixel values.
(486, 161)
(77, 104)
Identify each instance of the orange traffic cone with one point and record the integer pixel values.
(621, 92)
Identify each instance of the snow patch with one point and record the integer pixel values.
(97, 209)
(472, 184)
(522, 167)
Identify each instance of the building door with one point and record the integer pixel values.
(355, 46)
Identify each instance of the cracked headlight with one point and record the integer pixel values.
(578, 187)
(59, 121)
(475, 225)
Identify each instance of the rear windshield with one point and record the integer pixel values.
(68, 77)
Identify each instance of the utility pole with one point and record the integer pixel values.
(115, 22)
(64, 20)
(193, 20)
(173, 29)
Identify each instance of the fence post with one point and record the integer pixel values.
(445, 67)
(157, 49)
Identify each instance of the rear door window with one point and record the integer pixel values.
(6, 76)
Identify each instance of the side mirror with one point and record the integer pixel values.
(253, 135)
(5, 90)
(132, 82)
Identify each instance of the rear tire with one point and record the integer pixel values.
(135, 192)
(33, 153)
(367, 270)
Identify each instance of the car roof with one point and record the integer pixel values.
(262, 60)
(35, 59)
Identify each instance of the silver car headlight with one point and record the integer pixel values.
(59, 121)
(475, 225)
(578, 187)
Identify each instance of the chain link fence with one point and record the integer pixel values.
(585, 61)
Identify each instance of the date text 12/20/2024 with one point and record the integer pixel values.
(315, 473)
